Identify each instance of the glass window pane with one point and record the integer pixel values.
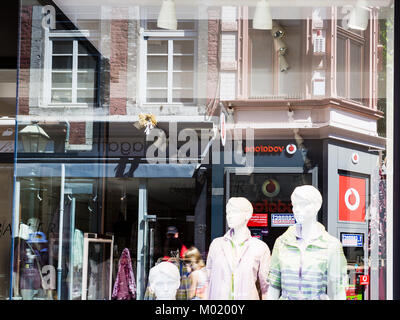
(85, 63)
(183, 96)
(183, 47)
(84, 47)
(262, 58)
(355, 71)
(341, 67)
(62, 47)
(61, 80)
(157, 79)
(157, 47)
(183, 79)
(60, 96)
(157, 63)
(156, 95)
(62, 63)
(183, 63)
(87, 79)
(86, 96)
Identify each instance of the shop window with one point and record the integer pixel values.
(266, 80)
(73, 72)
(170, 64)
(350, 65)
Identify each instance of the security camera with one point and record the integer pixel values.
(280, 46)
(277, 31)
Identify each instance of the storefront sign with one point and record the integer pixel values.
(364, 279)
(272, 149)
(352, 199)
(133, 147)
(258, 220)
(266, 206)
(352, 240)
(271, 188)
(355, 158)
(282, 220)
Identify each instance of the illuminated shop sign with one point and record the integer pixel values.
(258, 220)
(271, 188)
(282, 220)
(272, 149)
(266, 206)
(352, 199)
(352, 240)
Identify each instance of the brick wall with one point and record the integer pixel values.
(25, 60)
(213, 65)
(77, 134)
(118, 65)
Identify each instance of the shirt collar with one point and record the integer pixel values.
(318, 239)
(229, 234)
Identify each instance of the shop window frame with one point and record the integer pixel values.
(75, 37)
(361, 40)
(170, 36)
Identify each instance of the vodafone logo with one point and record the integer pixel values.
(291, 148)
(355, 158)
(352, 199)
(271, 188)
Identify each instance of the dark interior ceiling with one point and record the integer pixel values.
(9, 34)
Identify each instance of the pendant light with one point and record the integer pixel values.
(262, 17)
(359, 16)
(167, 16)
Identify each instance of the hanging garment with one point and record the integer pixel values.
(233, 272)
(305, 274)
(125, 285)
(77, 254)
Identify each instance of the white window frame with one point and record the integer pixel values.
(170, 36)
(74, 36)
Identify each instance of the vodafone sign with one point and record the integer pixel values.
(352, 199)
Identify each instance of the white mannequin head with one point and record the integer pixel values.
(238, 212)
(164, 280)
(306, 201)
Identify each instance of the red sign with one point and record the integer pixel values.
(258, 220)
(352, 199)
(364, 279)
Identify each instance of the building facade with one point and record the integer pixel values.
(126, 129)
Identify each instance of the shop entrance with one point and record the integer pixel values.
(269, 191)
(101, 217)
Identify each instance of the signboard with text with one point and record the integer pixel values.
(352, 199)
(282, 220)
(258, 220)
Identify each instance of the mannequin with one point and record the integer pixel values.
(236, 261)
(26, 269)
(164, 280)
(317, 254)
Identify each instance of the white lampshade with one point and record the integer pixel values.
(359, 16)
(167, 16)
(262, 16)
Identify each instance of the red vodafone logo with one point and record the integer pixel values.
(352, 198)
(291, 148)
(271, 188)
(355, 158)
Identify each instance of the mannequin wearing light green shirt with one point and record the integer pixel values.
(307, 233)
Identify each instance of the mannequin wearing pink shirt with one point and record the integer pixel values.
(237, 261)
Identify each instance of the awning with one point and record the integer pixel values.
(107, 170)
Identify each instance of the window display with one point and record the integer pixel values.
(237, 261)
(245, 146)
(307, 263)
